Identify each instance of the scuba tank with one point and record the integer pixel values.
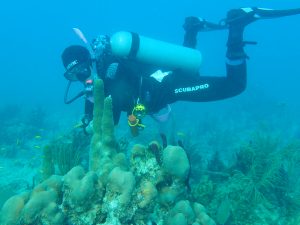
(130, 45)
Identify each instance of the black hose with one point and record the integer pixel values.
(74, 98)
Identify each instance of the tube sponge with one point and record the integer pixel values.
(98, 106)
(95, 150)
(103, 144)
(175, 162)
(108, 137)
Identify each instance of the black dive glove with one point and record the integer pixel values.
(85, 122)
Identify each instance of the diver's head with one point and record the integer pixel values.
(77, 61)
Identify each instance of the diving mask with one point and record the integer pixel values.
(80, 71)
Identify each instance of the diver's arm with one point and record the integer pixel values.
(88, 113)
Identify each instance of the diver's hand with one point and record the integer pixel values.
(87, 124)
(89, 128)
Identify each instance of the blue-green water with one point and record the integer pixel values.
(231, 143)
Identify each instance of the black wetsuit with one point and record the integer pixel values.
(182, 87)
(128, 86)
(131, 83)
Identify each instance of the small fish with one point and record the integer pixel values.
(78, 125)
(17, 141)
(1, 167)
(37, 137)
(37, 146)
(180, 134)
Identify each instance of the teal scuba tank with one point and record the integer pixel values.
(155, 52)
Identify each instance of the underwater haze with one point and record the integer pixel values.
(229, 162)
(34, 34)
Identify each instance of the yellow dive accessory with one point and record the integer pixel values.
(135, 119)
(139, 111)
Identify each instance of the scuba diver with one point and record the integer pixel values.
(145, 87)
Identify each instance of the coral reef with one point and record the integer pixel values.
(234, 180)
(148, 187)
(257, 189)
(47, 163)
(38, 207)
(67, 151)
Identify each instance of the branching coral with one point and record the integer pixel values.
(47, 163)
(69, 150)
(258, 188)
(263, 172)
